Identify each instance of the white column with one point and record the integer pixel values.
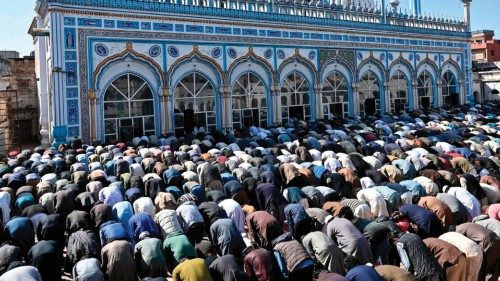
(42, 85)
(467, 13)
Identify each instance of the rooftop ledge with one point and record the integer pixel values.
(313, 12)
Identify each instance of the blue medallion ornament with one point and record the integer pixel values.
(154, 51)
(101, 50)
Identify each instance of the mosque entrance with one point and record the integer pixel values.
(370, 106)
(128, 109)
(194, 104)
(296, 112)
(425, 102)
(454, 99)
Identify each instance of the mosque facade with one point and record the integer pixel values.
(115, 69)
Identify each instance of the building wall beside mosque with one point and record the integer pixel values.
(122, 68)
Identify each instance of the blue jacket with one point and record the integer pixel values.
(122, 212)
(363, 273)
(414, 187)
(111, 231)
(142, 222)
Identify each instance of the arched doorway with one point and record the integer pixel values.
(449, 89)
(194, 104)
(295, 102)
(369, 94)
(398, 89)
(334, 96)
(248, 100)
(425, 88)
(128, 109)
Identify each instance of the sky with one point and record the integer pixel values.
(16, 17)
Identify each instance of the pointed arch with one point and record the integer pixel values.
(425, 64)
(330, 94)
(195, 61)
(402, 61)
(337, 64)
(250, 79)
(366, 64)
(297, 81)
(450, 65)
(258, 65)
(132, 54)
(297, 58)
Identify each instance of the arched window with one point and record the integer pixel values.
(334, 96)
(425, 88)
(128, 109)
(369, 94)
(449, 88)
(197, 92)
(398, 89)
(248, 92)
(295, 97)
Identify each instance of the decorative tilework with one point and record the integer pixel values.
(188, 10)
(73, 131)
(216, 52)
(248, 31)
(146, 25)
(312, 55)
(410, 57)
(154, 51)
(237, 31)
(163, 26)
(359, 55)
(69, 21)
(127, 24)
(89, 22)
(337, 37)
(179, 27)
(173, 51)
(222, 30)
(382, 56)
(73, 112)
(281, 54)
(262, 33)
(354, 38)
(71, 74)
(316, 36)
(285, 34)
(273, 33)
(71, 92)
(296, 35)
(417, 57)
(306, 35)
(109, 23)
(69, 38)
(231, 52)
(194, 28)
(101, 50)
(268, 53)
(209, 29)
(70, 55)
(390, 56)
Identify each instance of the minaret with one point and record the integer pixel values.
(415, 7)
(467, 13)
(395, 5)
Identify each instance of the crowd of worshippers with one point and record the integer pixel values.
(412, 197)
